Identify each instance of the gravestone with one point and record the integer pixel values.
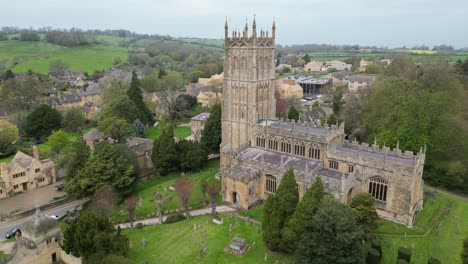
(237, 246)
(143, 242)
(194, 227)
(130, 244)
(218, 220)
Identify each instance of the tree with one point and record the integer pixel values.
(74, 159)
(73, 119)
(42, 121)
(93, 238)
(372, 69)
(271, 228)
(213, 192)
(135, 94)
(117, 128)
(8, 134)
(306, 58)
(139, 128)
(21, 93)
(184, 189)
(131, 203)
(281, 208)
(331, 235)
(116, 60)
(364, 211)
(29, 36)
(149, 83)
(104, 201)
(57, 65)
(211, 134)
(293, 114)
(58, 140)
(164, 151)
(161, 73)
(121, 107)
(281, 106)
(9, 74)
(309, 204)
(106, 167)
(191, 155)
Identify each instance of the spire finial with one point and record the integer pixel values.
(375, 141)
(398, 144)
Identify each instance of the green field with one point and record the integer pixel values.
(179, 243)
(147, 189)
(179, 132)
(22, 56)
(439, 231)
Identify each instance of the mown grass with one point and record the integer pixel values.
(3, 255)
(179, 243)
(180, 132)
(254, 213)
(442, 228)
(147, 189)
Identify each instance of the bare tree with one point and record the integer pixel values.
(213, 191)
(131, 203)
(184, 189)
(104, 201)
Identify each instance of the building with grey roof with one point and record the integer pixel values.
(257, 148)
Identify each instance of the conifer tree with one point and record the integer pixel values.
(211, 134)
(283, 207)
(331, 235)
(309, 204)
(271, 230)
(164, 151)
(293, 114)
(139, 128)
(136, 95)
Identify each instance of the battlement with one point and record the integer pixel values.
(374, 148)
(238, 38)
(313, 131)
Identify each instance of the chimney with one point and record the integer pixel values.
(3, 168)
(35, 152)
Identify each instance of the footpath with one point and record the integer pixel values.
(155, 220)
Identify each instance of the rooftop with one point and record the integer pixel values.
(296, 127)
(201, 117)
(93, 135)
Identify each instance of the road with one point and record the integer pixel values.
(60, 211)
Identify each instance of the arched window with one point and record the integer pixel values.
(272, 144)
(285, 147)
(314, 152)
(260, 141)
(378, 188)
(299, 149)
(270, 184)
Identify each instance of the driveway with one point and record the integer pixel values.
(30, 199)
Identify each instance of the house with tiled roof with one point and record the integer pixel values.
(24, 173)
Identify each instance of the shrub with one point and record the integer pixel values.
(373, 257)
(139, 226)
(377, 245)
(433, 260)
(174, 218)
(404, 253)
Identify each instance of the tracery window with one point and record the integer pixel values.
(314, 152)
(378, 188)
(299, 149)
(285, 147)
(260, 141)
(270, 184)
(273, 144)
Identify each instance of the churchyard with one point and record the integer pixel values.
(199, 240)
(180, 132)
(146, 190)
(439, 231)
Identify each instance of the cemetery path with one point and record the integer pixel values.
(155, 220)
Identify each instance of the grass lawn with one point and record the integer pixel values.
(179, 243)
(147, 189)
(3, 255)
(448, 213)
(254, 213)
(179, 132)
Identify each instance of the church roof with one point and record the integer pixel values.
(201, 117)
(140, 145)
(93, 135)
(296, 127)
(365, 154)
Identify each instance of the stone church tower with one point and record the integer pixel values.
(248, 88)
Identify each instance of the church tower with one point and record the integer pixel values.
(248, 87)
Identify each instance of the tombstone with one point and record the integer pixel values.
(201, 240)
(204, 233)
(165, 189)
(140, 201)
(237, 246)
(276, 262)
(131, 244)
(199, 225)
(194, 226)
(247, 219)
(266, 256)
(230, 228)
(232, 214)
(121, 212)
(182, 174)
(256, 229)
(207, 221)
(143, 242)
(253, 245)
(196, 179)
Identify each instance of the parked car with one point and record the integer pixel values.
(54, 217)
(12, 233)
(308, 98)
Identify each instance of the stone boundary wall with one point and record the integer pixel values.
(31, 211)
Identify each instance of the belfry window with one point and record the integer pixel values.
(270, 184)
(378, 188)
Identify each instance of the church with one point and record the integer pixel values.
(257, 148)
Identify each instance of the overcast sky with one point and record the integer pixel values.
(367, 22)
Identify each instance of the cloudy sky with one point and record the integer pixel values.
(367, 22)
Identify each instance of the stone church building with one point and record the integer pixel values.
(258, 148)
